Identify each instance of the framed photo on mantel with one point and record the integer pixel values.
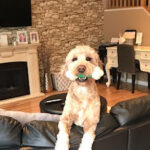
(34, 38)
(3, 40)
(22, 37)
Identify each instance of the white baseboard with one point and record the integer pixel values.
(139, 82)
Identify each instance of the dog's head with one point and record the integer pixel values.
(83, 61)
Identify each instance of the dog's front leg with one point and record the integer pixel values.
(63, 136)
(87, 141)
(88, 138)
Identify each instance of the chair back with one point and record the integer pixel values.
(126, 60)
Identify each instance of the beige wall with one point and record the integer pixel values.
(117, 20)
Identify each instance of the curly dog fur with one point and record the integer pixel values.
(82, 105)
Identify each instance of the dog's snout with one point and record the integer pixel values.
(81, 69)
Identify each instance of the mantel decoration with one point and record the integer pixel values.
(34, 38)
(3, 39)
(14, 40)
(45, 66)
(22, 37)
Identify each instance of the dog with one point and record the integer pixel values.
(82, 105)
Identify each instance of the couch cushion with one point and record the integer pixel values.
(39, 134)
(43, 134)
(116, 140)
(127, 112)
(10, 132)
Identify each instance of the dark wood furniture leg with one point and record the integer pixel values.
(149, 80)
(114, 74)
(133, 82)
(118, 82)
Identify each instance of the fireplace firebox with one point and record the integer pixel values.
(14, 80)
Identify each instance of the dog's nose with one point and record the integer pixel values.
(81, 69)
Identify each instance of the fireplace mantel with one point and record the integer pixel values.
(24, 53)
(18, 47)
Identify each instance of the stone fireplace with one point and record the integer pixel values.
(19, 73)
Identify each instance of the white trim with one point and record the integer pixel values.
(20, 98)
(129, 8)
(6, 33)
(139, 82)
(146, 11)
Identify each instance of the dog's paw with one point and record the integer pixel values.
(84, 148)
(61, 144)
(87, 142)
(61, 147)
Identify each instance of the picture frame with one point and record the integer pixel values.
(22, 37)
(130, 34)
(139, 37)
(114, 40)
(34, 37)
(3, 40)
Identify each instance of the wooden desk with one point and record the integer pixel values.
(142, 53)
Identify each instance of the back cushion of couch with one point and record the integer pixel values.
(128, 111)
(10, 132)
(44, 133)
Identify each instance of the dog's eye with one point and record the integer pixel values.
(74, 59)
(88, 58)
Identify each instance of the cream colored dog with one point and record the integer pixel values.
(82, 105)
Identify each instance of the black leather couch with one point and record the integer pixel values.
(127, 127)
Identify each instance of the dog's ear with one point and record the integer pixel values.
(64, 69)
(99, 62)
(98, 71)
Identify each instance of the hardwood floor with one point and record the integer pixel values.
(111, 94)
(114, 96)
